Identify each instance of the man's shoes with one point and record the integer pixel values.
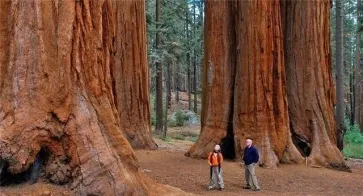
(256, 189)
(210, 187)
(246, 187)
(221, 189)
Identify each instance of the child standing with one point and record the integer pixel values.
(215, 159)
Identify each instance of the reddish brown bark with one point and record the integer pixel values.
(309, 81)
(131, 73)
(56, 94)
(218, 76)
(260, 103)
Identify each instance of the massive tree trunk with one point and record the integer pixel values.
(218, 76)
(251, 89)
(310, 87)
(232, 109)
(57, 98)
(131, 74)
(260, 102)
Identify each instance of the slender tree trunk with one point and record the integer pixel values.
(177, 81)
(167, 98)
(201, 14)
(188, 63)
(159, 72)
(358, 77)
(340, 74)
(168, 87)
(57, 96)
(351, 96)
(131, 74)
(310, 86)
(195, 59)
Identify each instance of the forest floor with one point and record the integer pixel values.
(168, 165)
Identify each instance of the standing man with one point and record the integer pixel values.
(250, 157)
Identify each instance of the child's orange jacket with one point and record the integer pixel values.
(213, 159)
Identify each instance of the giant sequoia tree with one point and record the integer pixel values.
(57, 96)
(310, 87)
(217, 77)
(259, 103)
(131, 74)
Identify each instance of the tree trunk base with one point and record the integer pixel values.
(324, 152)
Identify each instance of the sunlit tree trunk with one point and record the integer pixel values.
(310, 87)
(131, 74)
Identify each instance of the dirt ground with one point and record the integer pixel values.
(168, 165)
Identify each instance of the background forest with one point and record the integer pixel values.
(180, 57)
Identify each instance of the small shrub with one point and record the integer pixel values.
(167, 139)
(180, 137)
(180, 118)
(353, 151)
(353, 142)
(189, 134)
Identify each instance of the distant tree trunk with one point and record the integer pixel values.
(177, 82)
(57, 96)
(170, 73)
(195, 88)
(351, 97)
(340, 75)
(188, 63)
(201, 14)
(195, 59)
(310, 86)
(358, 77)
(167, 98)
(159, 72)
(131, 74)
(218, 77)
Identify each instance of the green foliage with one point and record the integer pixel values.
(180, 118)
(353, 140)
(185, 135)
(180, 137)
(167, 139)
(176, 19)
(353, 151)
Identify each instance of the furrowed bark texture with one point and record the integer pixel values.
(131, 73)
(218, 77)
(56, 94)
(267, 102)
(260, 102)
(310, 87)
